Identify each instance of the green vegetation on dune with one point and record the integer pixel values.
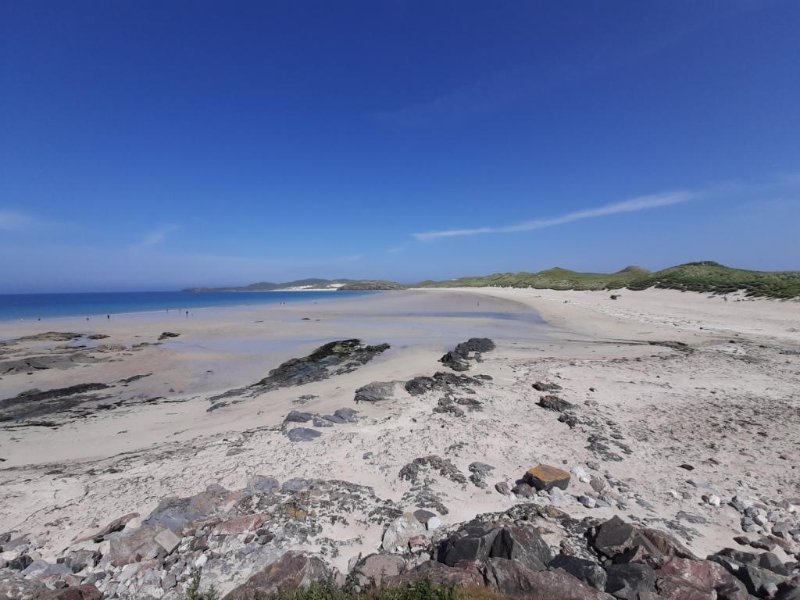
(706, 276)
(713, 277)
(553, 279)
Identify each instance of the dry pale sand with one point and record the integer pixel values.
(730, 407)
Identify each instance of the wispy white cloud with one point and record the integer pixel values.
(155, 237)
(626, 206)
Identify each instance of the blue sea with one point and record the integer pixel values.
(43, 306)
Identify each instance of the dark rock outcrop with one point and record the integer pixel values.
(458, 358)
(302, 434)
(630, 581)
(377, 391)
(587, 571)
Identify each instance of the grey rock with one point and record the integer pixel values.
(455, 361)
(473, 541)
(445, 467)
(296, 484)
(419, 385)
(40, 568)
(167, 540)
(297, 416)
(377, 391)
(585, 570)
(541, 386)
(348, 415)
(260, 484)
(423, 516)
(503, 488)
(321, 422)
(630, 581)
(302, 434)
(524, 490)
(374, 569)
(169, 581)
(479, 472)
(400, 531)
(554, 403)
(759, 582)
(474, 345)
(771, 562)
(614, 537)
(522, 543)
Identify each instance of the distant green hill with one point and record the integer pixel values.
(706, 276)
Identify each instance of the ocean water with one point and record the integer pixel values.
(43, 306)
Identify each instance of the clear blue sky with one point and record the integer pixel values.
(158, 144)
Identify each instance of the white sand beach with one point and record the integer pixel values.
(727, 405)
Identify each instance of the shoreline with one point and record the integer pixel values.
(352, 294)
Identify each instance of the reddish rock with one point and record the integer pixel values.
(134, 546)
(82, 592)
(418, 542)
(239, 525)
(666, 544)
(114, 526)
(290, 572)
(682, 578)
(511, 577)
(466, 574)
(376, 568)
(546, 477)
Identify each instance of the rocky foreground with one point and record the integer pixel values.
(277, 535)
(533, 550)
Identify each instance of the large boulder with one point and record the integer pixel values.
(464, 575)
(81, 592)
(587, 571)
(614, 537)
(400, 531)
(375, 569)
(682, 578)
(134, 546)
(473, 541)
(513, 578)
(630, 581)
(290, 572)
(522, 543)
(480, 541)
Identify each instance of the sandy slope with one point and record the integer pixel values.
(730, 407)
